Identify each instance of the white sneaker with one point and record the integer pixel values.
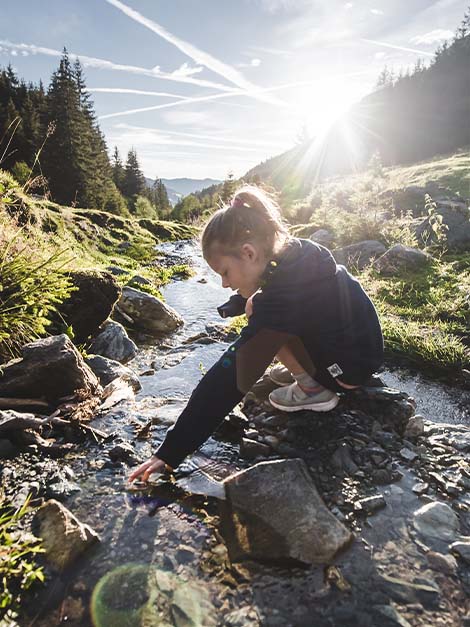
(293, 398)
(280, 375)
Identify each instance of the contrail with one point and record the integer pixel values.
(199, 56)
(235, 92)
(385, 45)
(103, 64)
(138, 92)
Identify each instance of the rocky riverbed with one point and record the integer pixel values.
(393, 474)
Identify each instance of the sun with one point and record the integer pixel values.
(322, 103)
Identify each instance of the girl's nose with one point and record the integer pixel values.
(225, 283)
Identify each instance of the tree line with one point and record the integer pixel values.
(52, 140)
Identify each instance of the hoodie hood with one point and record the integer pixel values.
(301, 263)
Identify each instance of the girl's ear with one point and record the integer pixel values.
(250, 252)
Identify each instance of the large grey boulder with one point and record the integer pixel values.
(64, 536)
(108, 370)
(91, 303)
(360, 254)
(436, 521)
(274, 512)
(323, 237)
(148, 313)
(50, 368)
(456, 217)
(400, 257)
(114, 343)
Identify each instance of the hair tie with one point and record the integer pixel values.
(237, 203)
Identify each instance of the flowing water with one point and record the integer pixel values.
(165, 526)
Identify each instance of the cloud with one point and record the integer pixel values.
(186, 70)
(348, 5)
(252, 63)
(276, 6)
(196, 54)
(103, 64)
(377, 12)
(432, 37)
(380, 55)
(386, 45)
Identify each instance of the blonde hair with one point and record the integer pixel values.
(252, 216)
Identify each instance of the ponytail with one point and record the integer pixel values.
(253, 216)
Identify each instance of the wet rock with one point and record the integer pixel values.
(271, 441)
(274, 421)
(370, 504)
(342, 460)
(148, 313)
(51, 368)
(61, 489)
(91, 304)
(391, 408)
(122, 453)
(191, 607)
(250, 449)
(446, 564)
(7, 449)
(462, 549)
(415, 427)
(390, 617)
(137, 280)
(107, 370)
(420, 488)
(276, 513)
(406, 592)
(436, 520)
(408, 455)
(360, 254)
(399, 258)
(113, 342)
(64, 536)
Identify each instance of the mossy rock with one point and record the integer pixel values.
(91, 303)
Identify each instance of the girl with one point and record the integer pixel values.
(302, 308)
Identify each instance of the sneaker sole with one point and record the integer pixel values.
(326, 406)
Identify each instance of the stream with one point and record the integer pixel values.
(161, 559)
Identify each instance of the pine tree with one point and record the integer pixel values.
(118, 170)
(134, 180)
(228, 188)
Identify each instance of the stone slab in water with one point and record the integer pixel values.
(277, 514)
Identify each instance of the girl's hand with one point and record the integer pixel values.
(154, 464)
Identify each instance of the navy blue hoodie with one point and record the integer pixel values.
(306, 297)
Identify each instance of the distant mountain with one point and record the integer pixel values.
(177, 188)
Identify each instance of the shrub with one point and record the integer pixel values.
(18, 568)
(30, 289)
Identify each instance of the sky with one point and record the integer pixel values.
(201, 88)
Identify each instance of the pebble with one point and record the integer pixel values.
(462, 548)
(370, 504)
(408, 455)
(446, 564)
(420, 488)
(250, 449)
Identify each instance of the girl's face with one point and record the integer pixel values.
(242, 273)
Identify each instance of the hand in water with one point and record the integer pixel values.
(154, 464)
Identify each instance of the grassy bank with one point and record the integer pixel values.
(42, 242)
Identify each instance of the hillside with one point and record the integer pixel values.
(408, 118)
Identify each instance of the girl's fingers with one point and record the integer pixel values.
(146, 469)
